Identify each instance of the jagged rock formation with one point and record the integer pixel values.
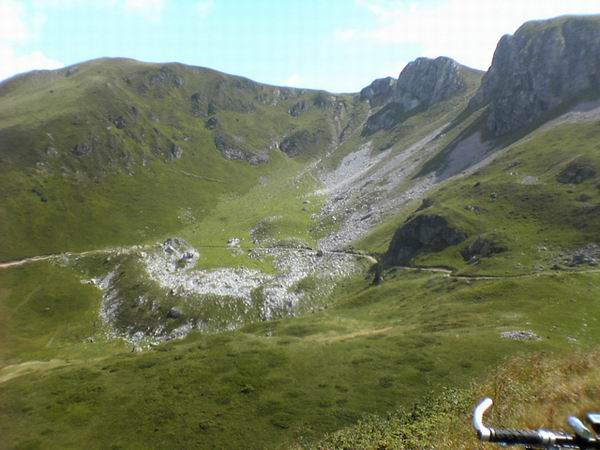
(425, 81)
(422, 83)
(422, 233)
(379, 91)
(542, 65)
(298, 108)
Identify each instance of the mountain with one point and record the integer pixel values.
(421, 84)
(77, 145)
(544, 70)
(542, 66)
(197, 260)
(513, 165)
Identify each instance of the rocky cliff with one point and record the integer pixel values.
(542, 65)
(422, 233)
(425, 81)
(379, 91)
(421, 83)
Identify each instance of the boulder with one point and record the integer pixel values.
(120, 122)
(582, 258)
(577, 172)
(520, 335)
(82, 149)
(175, 313)
(212, 123)
(422, 233)
(176, 151)
(481, 248)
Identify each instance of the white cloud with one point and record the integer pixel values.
(17, 28)
(12, 25)
(13, 63)
(150, 9)
(466, 30)
(294, 80)
(205, 7)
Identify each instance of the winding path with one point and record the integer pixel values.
(441, 270)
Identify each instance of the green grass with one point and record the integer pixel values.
(365, 349)
(273, 384)
(535, 222)
(128, 189)
(46, 312)
(530, 391)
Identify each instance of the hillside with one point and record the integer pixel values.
(195, 259)
(81, 144)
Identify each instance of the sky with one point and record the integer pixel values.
(338, 45)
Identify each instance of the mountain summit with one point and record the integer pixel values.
(422, 83)
(544, 64)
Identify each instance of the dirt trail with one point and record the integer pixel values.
(450, 274)
(122, 250)
(447, 272)
(16, 370)
(20, 262)
(33, 259)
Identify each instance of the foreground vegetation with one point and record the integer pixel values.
(530, 391)
(277, 383)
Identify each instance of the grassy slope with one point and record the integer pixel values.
(287, 382)
(530, 391)
(271, 384)
(535, 222)
(525, 218)
(128, 189)
(413, 128)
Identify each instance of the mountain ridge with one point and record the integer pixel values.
(238, 265)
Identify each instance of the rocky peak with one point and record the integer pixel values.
(425, 81)
(379, 91)
(421, 83)
(542, 65)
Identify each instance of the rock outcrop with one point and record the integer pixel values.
(379, 91)
(298, 108)
(577, 172)
(425, 81)
(481, 248)
(422, 83)
(542, 65)
(302, 142)
(82, 149)
(176, 152)
(236, 151)
(426, 232)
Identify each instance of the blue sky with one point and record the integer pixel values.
(339, 45)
